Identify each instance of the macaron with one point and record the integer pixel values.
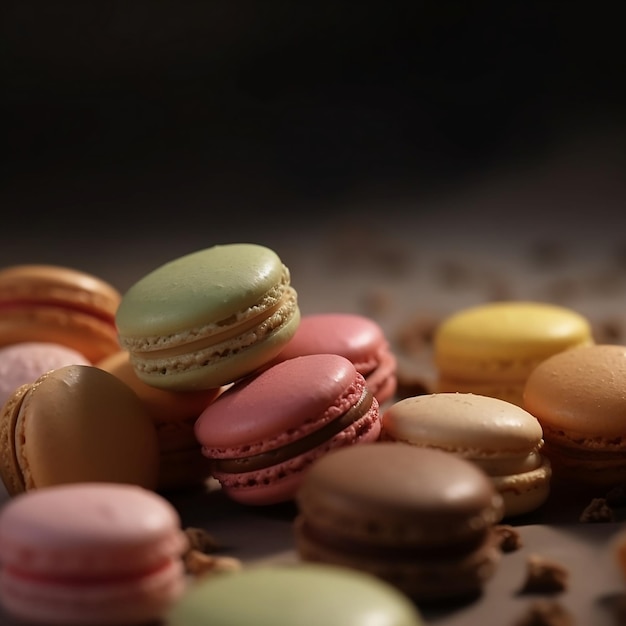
(90, 553)
(579, 397)
(208, 318)
(76, 423)
(173, 413)
(490, 349)
(58, 304)
(306, 594)
(25, 362)
(264, 432)
(359, 338)
(500, 437)
(421, 519)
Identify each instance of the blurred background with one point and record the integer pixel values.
(182, 124)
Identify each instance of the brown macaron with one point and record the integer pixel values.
(59, 305)
(422, 519)
(76, 423)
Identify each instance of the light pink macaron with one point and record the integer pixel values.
(265, 431)
(356, 337)
(25, 362)
(90, 553)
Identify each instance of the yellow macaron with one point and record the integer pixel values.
(490, 349)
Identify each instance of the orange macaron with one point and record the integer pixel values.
(59, 305)
(578, 396)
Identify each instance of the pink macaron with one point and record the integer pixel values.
(266, 430)
(25, 362)
(90, 553)
(356, 337)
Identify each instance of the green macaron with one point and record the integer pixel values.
(284, 595)
(208, 318)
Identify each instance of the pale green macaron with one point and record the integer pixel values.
(208, 318)
(289, 595)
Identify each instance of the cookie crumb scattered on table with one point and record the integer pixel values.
(510, 539)
(201, 540)
(199, 564)
(544, 576)
(597, 511)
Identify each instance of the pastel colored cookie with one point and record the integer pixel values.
(93, 553)
(490, 349)
(174, 414)
(208, 318)
(358, 338)
(500, 437)
(264, 432)
(305, 594)
(25, 362)
(76, 423)
(422, 519)
(578, 396)
(59, 305)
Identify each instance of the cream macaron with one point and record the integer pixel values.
(499, 436)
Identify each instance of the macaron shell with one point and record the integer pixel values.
(505, 340)
(376, 492)
(507, 390)
(98, 528)
(355, 337)
(303, 594)
(79, 423)
(23, 363)
(207, 286)
(129, 601)
(289, 397)
(581, 393)
(463, 422)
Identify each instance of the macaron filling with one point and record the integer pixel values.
(299, 446)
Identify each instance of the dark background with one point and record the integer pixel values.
(116, 111)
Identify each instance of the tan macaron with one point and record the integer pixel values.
(500, 437)
(76, 423)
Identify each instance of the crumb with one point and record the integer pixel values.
(199, 564)
(609, 331)
(417, 334)
(546, 613)
(597, 510)
(201, 540)
(510, 539)
(544, 576)
(409, 386)
(616, 497)
(376, 302)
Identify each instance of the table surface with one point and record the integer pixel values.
(398, 260)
